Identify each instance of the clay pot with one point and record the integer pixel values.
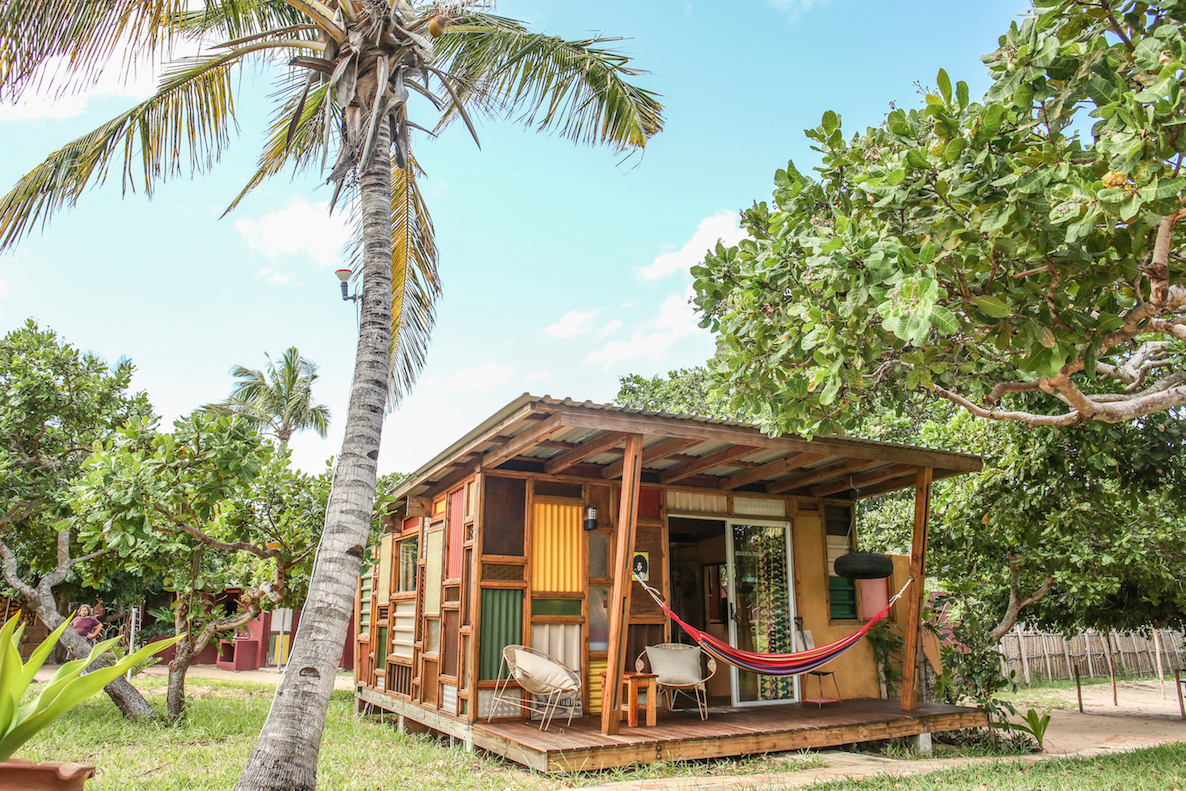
(18, 775)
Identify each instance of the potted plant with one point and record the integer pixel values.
(71, 684)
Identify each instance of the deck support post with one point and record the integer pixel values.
(619, 609)
(914, 596)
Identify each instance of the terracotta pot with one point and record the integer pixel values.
(18, 775)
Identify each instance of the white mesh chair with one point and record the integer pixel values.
(547, 684)
(679, 669)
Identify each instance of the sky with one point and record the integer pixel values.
(564, 267)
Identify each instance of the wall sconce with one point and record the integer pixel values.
(344, 276)
(590, 518)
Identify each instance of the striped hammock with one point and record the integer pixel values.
(792, 664)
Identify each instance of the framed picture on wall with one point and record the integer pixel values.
(641, 565)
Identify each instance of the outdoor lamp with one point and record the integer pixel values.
(590, 518)
(344, 276)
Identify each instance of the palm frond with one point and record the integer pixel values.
(183, 127)
(415, 281)
(287, 144)
(576, 88)
(79, 37)
(241, 18)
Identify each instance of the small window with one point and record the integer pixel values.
(842, 592)
(598, 555)
(409, 550)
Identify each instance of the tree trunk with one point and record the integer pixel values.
(183, 657)
(125, 696)
(285, 755)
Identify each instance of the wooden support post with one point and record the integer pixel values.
(619, 609)
(1160, 671)
(1066, 653)
(1078, 689)
(1178, 687)
(1025, 662)
(1111, 664)
(918, 552)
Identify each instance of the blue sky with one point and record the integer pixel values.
(563, 266)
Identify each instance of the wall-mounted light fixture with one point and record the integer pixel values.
(590, 518)
(344, 276)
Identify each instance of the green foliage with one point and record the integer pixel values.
(1035, 725)
(978, 250)
(70, 685)
(57, 403)
(687, 391)
(278, 399)
(971, 664)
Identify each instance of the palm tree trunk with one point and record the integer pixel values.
(285, 755)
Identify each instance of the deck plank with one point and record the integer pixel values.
(727, 732)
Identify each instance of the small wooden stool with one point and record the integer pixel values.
(632, 684)
(819, 677)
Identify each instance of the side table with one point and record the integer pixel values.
(632, 684)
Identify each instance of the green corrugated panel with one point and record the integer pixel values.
(555, 606)
(502, 625)
(843, 595)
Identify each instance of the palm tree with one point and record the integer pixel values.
(353, 66)
(278, 400)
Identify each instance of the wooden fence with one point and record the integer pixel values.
(1034, 656)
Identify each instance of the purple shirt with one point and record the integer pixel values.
(84, 625)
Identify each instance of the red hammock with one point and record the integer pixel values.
(792, 664)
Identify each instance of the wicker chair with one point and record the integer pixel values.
(546, 682)
(678, 669)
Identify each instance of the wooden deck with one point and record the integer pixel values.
(727, 732)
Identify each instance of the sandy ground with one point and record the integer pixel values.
(1142, 714)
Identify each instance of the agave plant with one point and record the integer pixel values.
(69, 686)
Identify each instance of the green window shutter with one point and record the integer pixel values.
(842, 593)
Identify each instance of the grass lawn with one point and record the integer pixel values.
(1154, 769)
(211, 748)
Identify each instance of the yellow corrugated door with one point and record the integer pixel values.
(556, 547)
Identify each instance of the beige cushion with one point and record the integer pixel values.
(539, 675)
(675, 667)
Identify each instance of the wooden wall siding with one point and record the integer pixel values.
(556, 547)
(456, 534)
(697, 502)
(433, 550)
(650, 504)
(855, 668)
(450, 638)
(403, 627)
(650, 538)
(561, 641)
(504, 513)
(501, 625)
(756, 506)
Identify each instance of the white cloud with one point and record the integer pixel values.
(543, 377)
(483, 377)
(675, 320)
(301, 227)
(573, 323)
(610, 328)
(275, 278)
(720, 227)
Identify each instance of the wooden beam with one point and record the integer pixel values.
(905, 482)
(861, 481)
(776, 467)
(542, 430)
(660, 450)
(703, 463)
(818, 474)
(914, 596)
(706, 432)
(619, 609)
(419, 506)
(586, 450)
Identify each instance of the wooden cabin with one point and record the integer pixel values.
(527, 530)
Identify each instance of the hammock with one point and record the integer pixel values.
(792, 664)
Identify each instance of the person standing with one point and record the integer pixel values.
(87, 625)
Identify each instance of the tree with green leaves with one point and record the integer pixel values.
(687, 391)
(57, 404)
(277, 400)
(1017, 256)
(343, 107)
(210, 506)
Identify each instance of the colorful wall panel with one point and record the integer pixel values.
(502, 625)
(556, 547)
